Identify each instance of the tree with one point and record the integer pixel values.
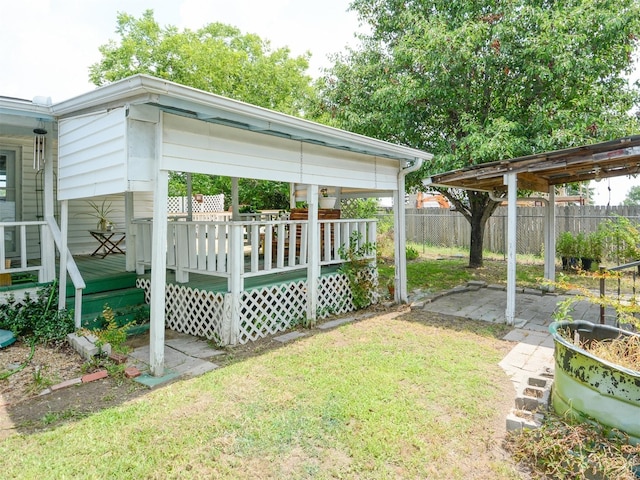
(481, 81)
(216, 58)
(259, 194)
(633, 196)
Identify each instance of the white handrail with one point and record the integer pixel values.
(72, 270)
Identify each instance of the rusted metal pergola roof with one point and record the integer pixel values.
(538, 172)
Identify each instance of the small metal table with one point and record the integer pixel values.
(109, 241)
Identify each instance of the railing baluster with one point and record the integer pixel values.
(212, 233)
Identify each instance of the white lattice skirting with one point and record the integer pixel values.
(263, 311)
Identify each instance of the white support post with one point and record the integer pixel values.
(158, 274)
(313, 252)
(550, 239)
(511, 181)
(292, 195)
(236, 282)
(64, 235)
(48, 245)
(235, 204)
(400, 231)
(129, 228)
(189, 198)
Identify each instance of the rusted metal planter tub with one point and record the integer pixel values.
(588, 387)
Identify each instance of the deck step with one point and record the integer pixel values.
(126, 303)
(116, 299)
(132, 313)
(106, 284)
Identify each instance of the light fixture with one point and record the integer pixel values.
(597, 173)
(39, 144)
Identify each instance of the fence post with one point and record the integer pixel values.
(601, 270)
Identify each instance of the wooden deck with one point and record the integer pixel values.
(95, 268)
(111, 271)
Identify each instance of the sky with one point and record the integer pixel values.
(47, 46)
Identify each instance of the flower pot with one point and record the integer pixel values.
(586, 264)
(327, 202)
(588, 387)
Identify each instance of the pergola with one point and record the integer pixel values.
(541, 173)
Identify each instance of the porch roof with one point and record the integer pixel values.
(540, 171)
(190, 102)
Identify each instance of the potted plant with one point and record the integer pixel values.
(592, 250)
(101, 213)
(325, 201)
(620, 238)
(567, 248)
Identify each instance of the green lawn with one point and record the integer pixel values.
(382, 398)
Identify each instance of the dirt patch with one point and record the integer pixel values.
(23, 406)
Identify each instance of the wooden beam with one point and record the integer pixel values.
(527, 181)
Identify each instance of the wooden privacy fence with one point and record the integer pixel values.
(442, 227)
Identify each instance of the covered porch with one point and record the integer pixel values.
(125, 138)
(541, 173)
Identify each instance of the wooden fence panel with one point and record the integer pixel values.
(447, 228)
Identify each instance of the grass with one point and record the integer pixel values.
(382, 398)
(439, 268)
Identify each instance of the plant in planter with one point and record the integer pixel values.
(101, 212)
(620, 239)
(592, 250)
(593, 379)
(325, 201)
(567, 248)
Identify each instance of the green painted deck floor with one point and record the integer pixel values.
(95, 268)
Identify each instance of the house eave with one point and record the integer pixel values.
(25, 108)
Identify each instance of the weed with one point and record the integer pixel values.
(411, 253)
(50, 418)
(40, 380)
(561, 448)
(358, 269)
(112, 333)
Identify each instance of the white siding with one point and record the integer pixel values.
(92, 155)
(196, 146)
(26, 207)
(142, 125)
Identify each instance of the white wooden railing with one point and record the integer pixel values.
(21, 230)
(267, 246)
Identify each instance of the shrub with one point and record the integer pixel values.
(412, 253)
(620, 239)
(37, 320)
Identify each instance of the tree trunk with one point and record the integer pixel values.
(477, 241)
(477, 208)
(481, 209)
